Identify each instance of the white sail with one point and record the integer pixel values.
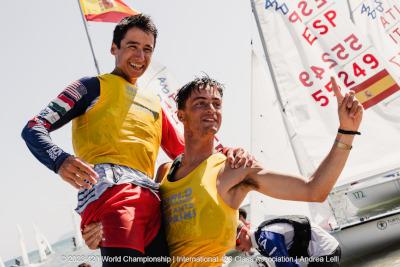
(41, 246)
(2, 263)
(44, 247)
(269, 142)
(160, 80)
(77, 238)
(305, 43)
(380, 22)
(24, 252)
(315, 122)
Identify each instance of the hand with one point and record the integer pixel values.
(238, 157)
(349, 108)
(78, 173)
(93, 235)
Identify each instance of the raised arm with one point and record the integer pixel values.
(71, 103)
(317, 187)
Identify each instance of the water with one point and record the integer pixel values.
(66, 256)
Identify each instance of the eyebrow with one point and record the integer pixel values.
(205, 98)
(137, 43)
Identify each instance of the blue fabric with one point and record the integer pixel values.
(69, 104)
(273, 245)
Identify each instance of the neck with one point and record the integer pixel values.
(197, 148)
(121, 74)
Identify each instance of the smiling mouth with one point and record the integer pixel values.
(136, 66)
(209, 120)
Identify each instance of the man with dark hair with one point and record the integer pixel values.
(201, 193)
(117, 130)
(242, 215)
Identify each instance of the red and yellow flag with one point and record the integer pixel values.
(375, 89)
(106, 10)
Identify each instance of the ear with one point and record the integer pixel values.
(113, 49)
(181, 115)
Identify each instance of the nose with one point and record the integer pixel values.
(139, 54)
(210, 108)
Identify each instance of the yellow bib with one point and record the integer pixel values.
(200, 227)
(123, 127)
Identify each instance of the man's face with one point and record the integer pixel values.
(134, 55)
(202, 112)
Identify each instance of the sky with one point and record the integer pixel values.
(45, 48)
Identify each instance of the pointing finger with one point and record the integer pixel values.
(343, 105)
(337, 92)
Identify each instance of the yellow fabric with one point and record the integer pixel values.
(123, 127)
(200, 226)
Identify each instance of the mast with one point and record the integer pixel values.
(289, 130)
(90, 40)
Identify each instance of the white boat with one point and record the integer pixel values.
(2, 263)
(363, 209)
(378, 190)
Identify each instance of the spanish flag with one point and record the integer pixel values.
(375, 89)
(106, 10)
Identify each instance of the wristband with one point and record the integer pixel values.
(341, 131)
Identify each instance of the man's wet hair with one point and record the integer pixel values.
(199, 83)
(243, 213)
(140, 21)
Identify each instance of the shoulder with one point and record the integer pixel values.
(242, 172)
(162, 171)
(90, 82)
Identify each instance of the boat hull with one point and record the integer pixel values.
(369, 236)
(375, 193)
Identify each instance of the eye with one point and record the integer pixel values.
(200, 104)
(148, 50)
(217, 105)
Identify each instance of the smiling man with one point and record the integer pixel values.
(117, 129)
(201, 193)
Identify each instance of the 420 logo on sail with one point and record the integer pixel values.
(349, 59)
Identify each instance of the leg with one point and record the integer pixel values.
(156, 241)
(158, 248)
(120, 257)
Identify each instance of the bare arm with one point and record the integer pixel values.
(162, 171)
(317, 187)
